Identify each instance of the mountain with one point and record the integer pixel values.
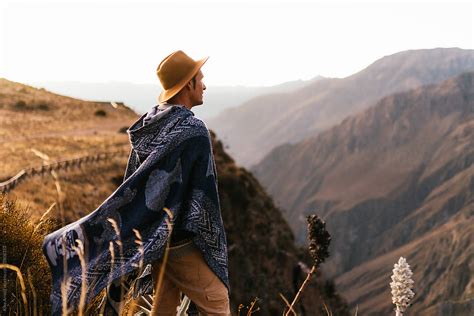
(394, 180)
(262, 250)
(253, 129)
(141, 97)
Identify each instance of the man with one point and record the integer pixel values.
(186, 270)
(170, 179)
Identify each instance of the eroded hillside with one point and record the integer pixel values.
(385, 180)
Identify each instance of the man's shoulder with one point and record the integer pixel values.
(196, 125)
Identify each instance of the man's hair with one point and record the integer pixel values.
(193, 80)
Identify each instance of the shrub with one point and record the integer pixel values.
(20, 105)
(21, 246)
(100, 113)
(43, 107)
(123, 130)
(117, 181)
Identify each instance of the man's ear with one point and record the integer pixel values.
(189, 85)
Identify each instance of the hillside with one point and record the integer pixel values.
(62, 127)
(262, 251)
(253, 129)
(394, 180)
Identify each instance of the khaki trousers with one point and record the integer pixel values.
(186, 271)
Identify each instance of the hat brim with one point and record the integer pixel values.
(165, 95)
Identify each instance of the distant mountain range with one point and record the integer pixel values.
(141, 97)
(253, 129)
(394, 180)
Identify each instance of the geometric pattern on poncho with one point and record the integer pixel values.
(177, 153)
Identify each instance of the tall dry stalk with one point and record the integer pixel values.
(120, 246)
(319, 240)
(80, 252)
(41, 221)
(251, 311)
(65, 282)
(287, 304)
(300, 290)
(64, 289)
(33, 292)
(112, 262)
(22, 282)
(240, 308)
(141, 250)
(169, 222)
(326, 309)
(61, 196)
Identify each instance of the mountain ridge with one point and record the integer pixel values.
(259, 125)
(382, 179)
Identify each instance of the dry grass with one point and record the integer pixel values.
(21, 241)
(112, 250)
(83, 189)
(68, 129)
(33, 290)
(58, 148)
(22, 282)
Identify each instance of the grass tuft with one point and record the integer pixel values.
(21, 244)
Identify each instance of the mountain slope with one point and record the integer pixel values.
(59, 126)
(441, 258)
(262, 251)
(384, 179)
(254, 128)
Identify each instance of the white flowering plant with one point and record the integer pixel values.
(402, 285)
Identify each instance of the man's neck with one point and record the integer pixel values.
(181, 100)
(165, 105)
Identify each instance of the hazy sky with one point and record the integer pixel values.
(249, 43)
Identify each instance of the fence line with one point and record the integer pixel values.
(42, 170)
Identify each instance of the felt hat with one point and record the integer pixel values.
(175, 71)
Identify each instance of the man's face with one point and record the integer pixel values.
(199, 87)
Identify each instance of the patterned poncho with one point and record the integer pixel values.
(171, 165)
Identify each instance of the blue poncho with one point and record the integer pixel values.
(171, 165)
